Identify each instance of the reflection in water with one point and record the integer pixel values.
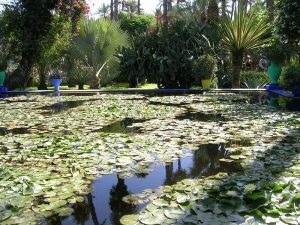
(118, 207)
(82, 211)
(205, 162)
(60, 107)
(107, 205)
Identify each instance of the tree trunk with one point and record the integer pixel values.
(270, 7)
(223, 7)
(139, 7)
(233, 8)
(116, 9)
(237, 62)
(111, 9)
(80, 86)
(165, 16)
(42, 77)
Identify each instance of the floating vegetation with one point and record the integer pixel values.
(50, 167)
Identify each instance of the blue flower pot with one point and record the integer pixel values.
(56, 83)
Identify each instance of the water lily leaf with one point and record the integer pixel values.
(129, 219)
(174, 213)
(149, 219)
(5, 215)
(65, 211)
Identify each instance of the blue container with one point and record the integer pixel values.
(296, 91)
(56, 83)
(3, 92)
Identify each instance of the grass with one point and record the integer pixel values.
(110, 87)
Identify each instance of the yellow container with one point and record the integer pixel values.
(206, 84)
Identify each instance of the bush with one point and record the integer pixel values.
(79, 76)
(163, 58)
(290, 77)
(254, 79)
(205, 67)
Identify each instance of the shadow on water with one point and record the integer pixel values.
(18, 130)
(122, 126)
(60, 107)
(200, 116)
(105, 206)
(181, 105)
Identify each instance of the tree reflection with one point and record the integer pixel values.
(172, 176)
(81, 212)
(118, 207)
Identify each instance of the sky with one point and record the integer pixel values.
(148, 5)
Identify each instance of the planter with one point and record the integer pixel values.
(206, 83)
(56, 83)
(2, 77)
(274, 71)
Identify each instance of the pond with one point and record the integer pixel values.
(140, 159)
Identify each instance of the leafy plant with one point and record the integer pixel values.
(275, 52)
(79, 76)
(164, 58)
(290, 77)
(3, 62)
(135, 24)
(205, 67)
(242, 34)
(96, 46)
(254, 79)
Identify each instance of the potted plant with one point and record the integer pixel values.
(205, 68)
(55, 78)
(275, 55)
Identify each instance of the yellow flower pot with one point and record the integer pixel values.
(206, 84)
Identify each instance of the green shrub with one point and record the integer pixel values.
(205, 67)
(254, 79)
(290, 77)
(79, 76)
(163, 58)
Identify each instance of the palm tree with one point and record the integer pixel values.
(111, 9)
(103, 10)
(240, 35)
(165, 15)
(139, 7)
(96, 46)
(223, 8)
(116, 9)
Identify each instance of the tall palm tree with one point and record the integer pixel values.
(165, 15)
(103, 10)
(139, 7)
(96, 46)
(111, 9)
(116, 9)
(242, 34)
(223, 7)
(233, 8)
(270, 7)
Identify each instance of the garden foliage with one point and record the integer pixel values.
(163, 58)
